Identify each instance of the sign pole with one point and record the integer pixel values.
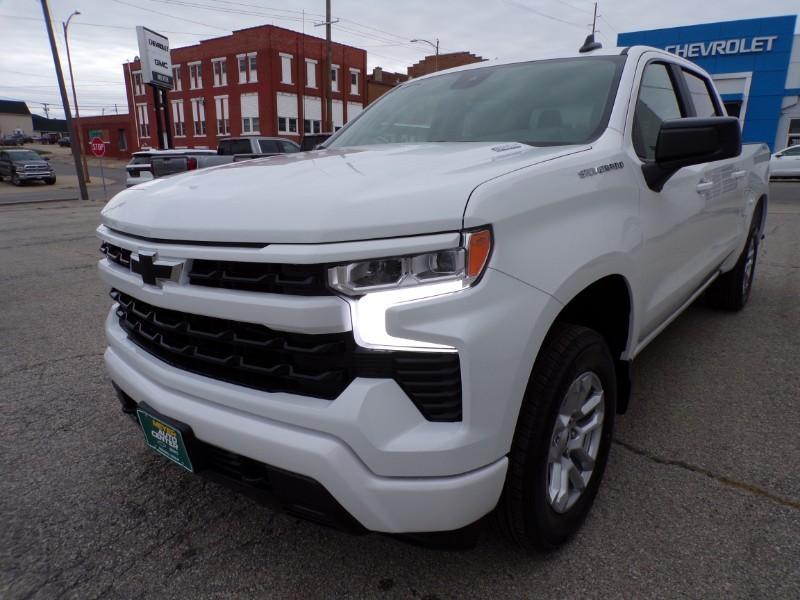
(103, 177)
(98, 148)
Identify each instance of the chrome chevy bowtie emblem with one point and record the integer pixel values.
(146, 264)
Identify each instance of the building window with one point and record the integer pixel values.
(354, 82)
(287, 112)
(178, 120)
(199, 116)
(286, 68)
(143, 120)
(793, 138)
(249, 106)
(176, 78)
(287, 124)
(195, 76)
(335, 78)
(220, 69)
(122, 140)
(311, 73)
(312, 125)
(223, 115)
(138, 85)
(247, 67)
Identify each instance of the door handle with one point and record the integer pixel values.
(704, 185)
(738, 174)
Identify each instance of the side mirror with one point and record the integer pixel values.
(691, 141)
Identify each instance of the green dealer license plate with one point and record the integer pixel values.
(164, 439)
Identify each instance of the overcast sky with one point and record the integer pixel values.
(104, 35)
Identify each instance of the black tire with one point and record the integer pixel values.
(731, 290)
(15, 179)
(50, 181)
(524, 512)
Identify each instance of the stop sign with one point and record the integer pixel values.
(98, 146)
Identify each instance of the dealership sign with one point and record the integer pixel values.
(155, 59)
(724, 47)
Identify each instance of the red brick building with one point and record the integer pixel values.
(445, 61)
(115, 130)
(263, 80)
(379, 82)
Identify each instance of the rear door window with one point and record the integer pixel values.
(229, 147)
(269, 146)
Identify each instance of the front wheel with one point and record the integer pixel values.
(562, 439)
(50, 180)
(15, 179)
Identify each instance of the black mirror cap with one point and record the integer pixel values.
(691, 141)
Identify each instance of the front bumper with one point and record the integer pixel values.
(384, 504)
(33, 176)
(370, 447)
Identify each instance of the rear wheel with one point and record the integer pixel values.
(562, 439)
(732, 289)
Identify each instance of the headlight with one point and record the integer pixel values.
(373, 286)
(464, 264)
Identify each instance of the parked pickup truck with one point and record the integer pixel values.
(140, 168)
(435, 317)
(229, 150)
(21, 166)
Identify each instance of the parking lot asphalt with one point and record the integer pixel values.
(701, 496)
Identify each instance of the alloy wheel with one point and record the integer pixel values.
(575, 441)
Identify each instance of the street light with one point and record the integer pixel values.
(86, 177)
(432, 45)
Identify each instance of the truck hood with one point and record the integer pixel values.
(324, 196)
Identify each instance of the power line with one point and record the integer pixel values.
(103, 25)
(168, 15)
(545, 15)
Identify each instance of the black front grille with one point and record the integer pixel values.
(115, 254)
(274, 278)
(317, 365)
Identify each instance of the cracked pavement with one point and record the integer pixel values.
(701, 495)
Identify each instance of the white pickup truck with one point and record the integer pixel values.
(434, 317)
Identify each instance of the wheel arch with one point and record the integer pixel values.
(606, 305)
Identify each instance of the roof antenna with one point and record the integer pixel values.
(590, 44)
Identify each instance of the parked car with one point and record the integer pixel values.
(785, 164)
(10, 140)
(64, 142)
(437, 317)
(256, 145)
(311, 141)
(229, 150)
(21, 166)
(140, 168)
(49, 138)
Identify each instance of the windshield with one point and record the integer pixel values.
(23, 155)
(541, 103)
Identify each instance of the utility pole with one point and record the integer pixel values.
(46, 107)
(64, 99)
(328, 123)
(594, 19)
(328, 61)
(81, 148)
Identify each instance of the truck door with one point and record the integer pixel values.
(681, 244)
